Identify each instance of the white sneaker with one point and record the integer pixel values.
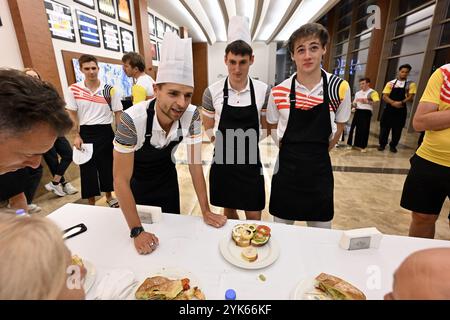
(33, 208)
(68, 188)
(58, 189)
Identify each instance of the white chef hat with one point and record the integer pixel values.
(239, 29)
(175, 65)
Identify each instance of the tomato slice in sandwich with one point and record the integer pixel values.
(265, 230)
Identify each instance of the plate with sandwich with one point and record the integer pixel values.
(250, 246)
(91, 272)
(326, 287)
(170, 284)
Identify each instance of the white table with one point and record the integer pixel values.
(187, 243)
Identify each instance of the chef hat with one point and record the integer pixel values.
(239, 29)
(175, 65)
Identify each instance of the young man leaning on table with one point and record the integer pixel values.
(148, 135)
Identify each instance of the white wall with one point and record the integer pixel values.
(10, 55)
(262, 69)
(60, 45)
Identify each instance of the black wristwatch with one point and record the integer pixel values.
(136, 231)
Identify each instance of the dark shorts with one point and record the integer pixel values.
(426, 187)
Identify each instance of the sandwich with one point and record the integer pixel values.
(162, 288)
(338, 289)
(250, 254)
(76, 260)
(245, 235)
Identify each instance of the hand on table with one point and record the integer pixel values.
(146, 243)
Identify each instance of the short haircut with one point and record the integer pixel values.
(239, 47)
(309, 30)
(34, 258)
(364, 79)
(87, 58)
(34, 70)
(406, 65)
(135, 60)
(26, 101)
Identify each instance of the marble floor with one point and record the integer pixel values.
(368, 186)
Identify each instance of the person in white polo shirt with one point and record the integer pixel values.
(134, 66)
(311, 108)
(363, 102)
(236, 105)
(91, 105)
(147, 137)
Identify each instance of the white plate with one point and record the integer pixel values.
(267, 254)
(305, 290)
(91, 275)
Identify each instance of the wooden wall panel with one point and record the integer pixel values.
(143, 33)
(200, 57)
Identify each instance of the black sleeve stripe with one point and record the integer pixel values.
(333, 91)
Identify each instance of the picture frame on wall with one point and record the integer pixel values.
(151, 24)
(87, 3)
(88, 29)
(107, 8)
(167, 28)
(127, 39)
(110, 33)
(159, 27)
(154, 51)
(60, 21)
(124, 11)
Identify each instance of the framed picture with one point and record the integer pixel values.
(167, 27)
(107, 8)
(151, 24)
(87, 3)
(158, 50)
(154, 51)
(87, 26)
(159, 27)
(60, 21)
(110, 34)
(124, 11)
(127, 40)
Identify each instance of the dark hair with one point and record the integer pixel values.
(87, 58)
(406, 65)
(364, 79)
(309, 30)
(239, 47)
(26, 101)
(135, 60)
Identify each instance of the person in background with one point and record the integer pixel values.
(61, 147)
(92, 105)
(423, 275)
(397, 93)
(134, 66)
(428, 182)
(364, 101)
(36, 264)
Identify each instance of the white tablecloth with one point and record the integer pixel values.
(187, 243)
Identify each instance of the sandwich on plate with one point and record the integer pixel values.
(337, 289)
(162, 288)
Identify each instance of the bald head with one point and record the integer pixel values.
(423, 275)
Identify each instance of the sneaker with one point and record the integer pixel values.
(380, 148)
(393, 149)
(68, 188)
(33, 208)
(364, 150)
(56, 189)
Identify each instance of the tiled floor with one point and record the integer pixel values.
(368, 187)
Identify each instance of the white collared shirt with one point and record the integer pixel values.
(212, 104)
(92, 107)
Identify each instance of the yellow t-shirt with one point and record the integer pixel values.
(411, 86)
(436, 144)
(143, 89)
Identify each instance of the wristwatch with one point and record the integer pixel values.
(136, 231)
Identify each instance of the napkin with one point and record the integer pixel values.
(117, 284)
(84, 155)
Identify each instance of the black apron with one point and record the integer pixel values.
(155, 181)
(302, 189)
(395, 117)
(237, 182)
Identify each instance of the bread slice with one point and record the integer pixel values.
(338, 289)
(159, 288)
(250, 254)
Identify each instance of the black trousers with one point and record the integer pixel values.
(384, 135)
(97, 174)
(361, 121)
(34, 177)
(64, 150)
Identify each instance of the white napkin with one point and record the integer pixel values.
(149, 214)
(116, 285)
(84, 155)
